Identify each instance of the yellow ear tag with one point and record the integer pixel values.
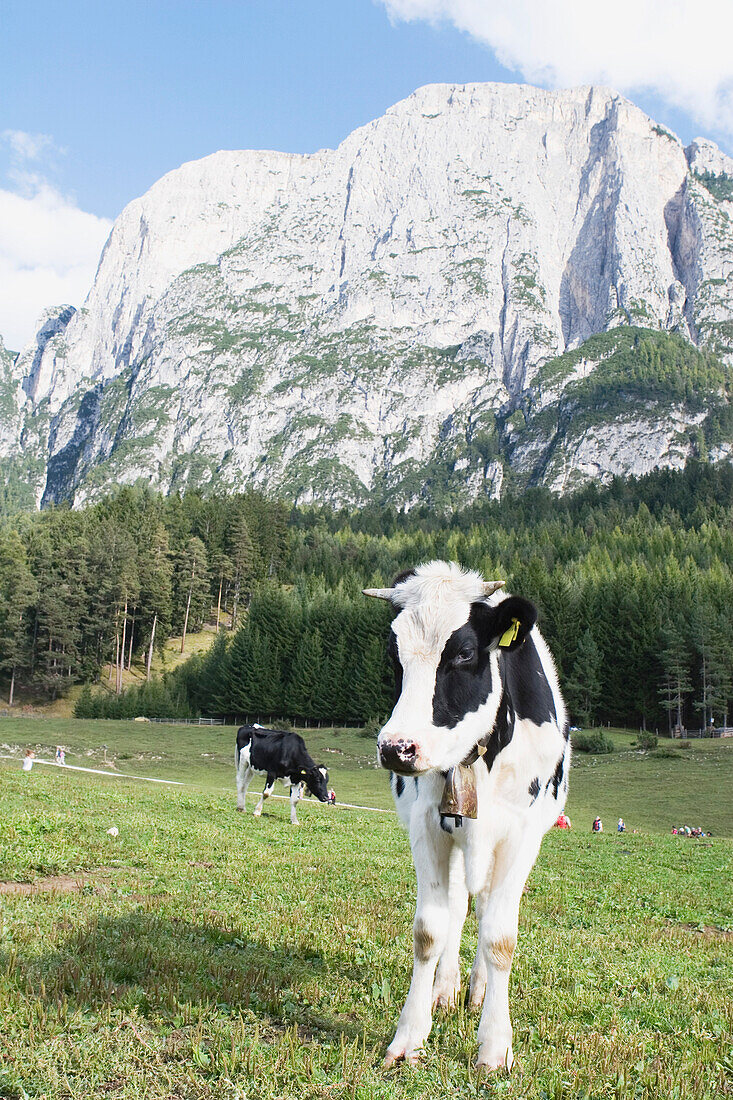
(510, 635)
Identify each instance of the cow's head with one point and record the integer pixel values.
(316, 780)
(444, 646)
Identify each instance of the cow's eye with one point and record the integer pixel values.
(464, 657)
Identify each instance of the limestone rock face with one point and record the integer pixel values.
(375, 321)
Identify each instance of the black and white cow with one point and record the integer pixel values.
(475, 685)
(278, 755)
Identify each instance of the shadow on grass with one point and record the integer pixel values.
(160, 965)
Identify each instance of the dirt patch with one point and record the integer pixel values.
(56, 884)
(60, 884)
(705, 932)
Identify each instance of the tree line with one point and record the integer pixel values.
(633, 582)
(82, 590)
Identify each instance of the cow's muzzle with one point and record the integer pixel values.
(398, 756)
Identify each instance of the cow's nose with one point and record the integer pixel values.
(398, 756)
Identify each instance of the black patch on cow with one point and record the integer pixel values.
(403, 576)
(491, 621)
(502, 733)
(446, 824)
(527, 685)
(534, 789)
(415, 784)
(399, 785)
(557, 776)
(463, 678)
(394, 655)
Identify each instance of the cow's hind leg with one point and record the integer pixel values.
(244, 778)
(265, 794)
(430, 852)
(296, 793)
(499, 921)
(447, 984)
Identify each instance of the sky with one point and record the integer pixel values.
(100, 99)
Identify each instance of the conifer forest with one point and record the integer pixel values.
(633, 582)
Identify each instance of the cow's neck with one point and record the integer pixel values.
(460, 797)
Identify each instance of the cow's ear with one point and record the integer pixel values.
(504, 625)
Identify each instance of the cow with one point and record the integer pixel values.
(479, 751)
(278, 755)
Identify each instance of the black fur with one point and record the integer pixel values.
(534, 789)
(399, 784)
(393, 654)
(502, 733)
(282, 755)
(527, 684)
(557, 776)
(492, 621)
(463, 679)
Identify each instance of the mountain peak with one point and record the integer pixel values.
(383, 318)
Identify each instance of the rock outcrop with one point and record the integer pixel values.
(382, 320)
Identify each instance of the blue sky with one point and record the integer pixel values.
(99, 99)
(131, 90)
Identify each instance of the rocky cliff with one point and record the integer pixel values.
(491, 281)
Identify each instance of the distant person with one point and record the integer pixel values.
(563, 822)
(621, 828)
(332, 797)
(28, 760)
(598, 825)
(60, 755)
(674, 830)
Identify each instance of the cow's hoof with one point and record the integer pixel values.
(491, 1060)
(257, 813)
(409, 1057)
(476, 994)
(240, 809)
(447, 991)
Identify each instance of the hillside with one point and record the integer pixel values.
(453, 297)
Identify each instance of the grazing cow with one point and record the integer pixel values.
(479, 752)
(278, 755)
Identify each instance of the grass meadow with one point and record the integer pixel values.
(205, 954)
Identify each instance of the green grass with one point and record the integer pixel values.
(206, 954)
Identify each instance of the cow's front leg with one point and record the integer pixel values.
(498, 924)
(265, 794)
(477, 982)
(447, 984)
(430, 852)
(296, 793)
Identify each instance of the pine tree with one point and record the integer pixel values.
(583, 686)
(192, 597)
(17, 594)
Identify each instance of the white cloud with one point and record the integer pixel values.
(679, 49)
(24, 146)
(49, 248)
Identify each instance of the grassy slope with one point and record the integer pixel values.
(213, 955)
(651, 792)
(164, 661)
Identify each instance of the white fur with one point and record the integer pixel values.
(490, 857)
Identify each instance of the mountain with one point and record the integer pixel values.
(492, 284)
